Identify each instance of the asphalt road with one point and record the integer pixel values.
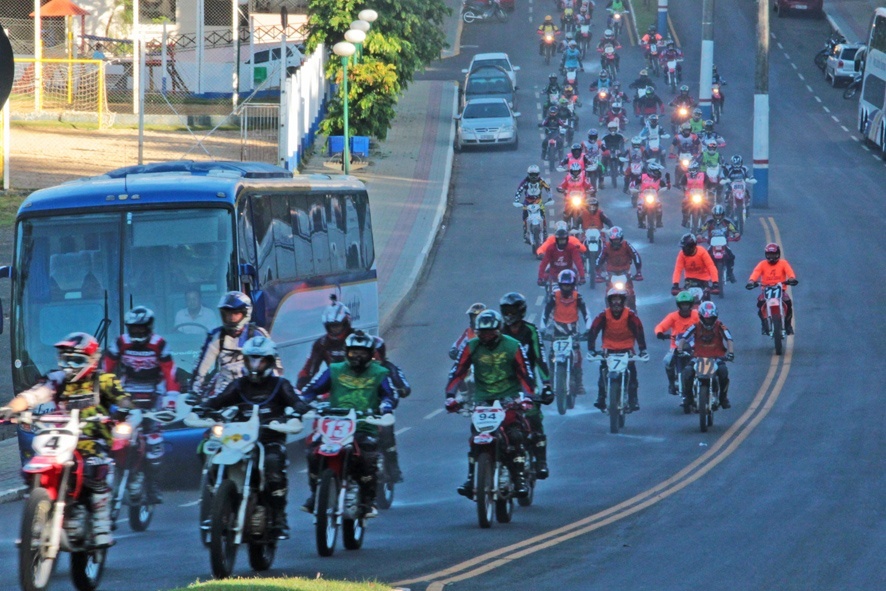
(785, 492)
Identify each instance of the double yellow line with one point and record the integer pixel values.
(764, 400)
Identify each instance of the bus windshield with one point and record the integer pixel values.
(73, 271)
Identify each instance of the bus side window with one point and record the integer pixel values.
(264, 237)
(281, 227)
(337, 231)
(319, 236)
(246, 235)
(301, 236)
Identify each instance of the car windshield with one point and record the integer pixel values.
(486, 111)
(849, 53)
(478, 85)
(502, 63)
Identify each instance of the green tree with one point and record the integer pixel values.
(407, 36)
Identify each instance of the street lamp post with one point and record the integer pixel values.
(345, 50)
(357, 37)
(362, 26)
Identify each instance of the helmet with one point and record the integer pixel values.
(686, 129)
(687, 243)
(562, 101)
(711, 145)
(655, 172)
(670, 44)
(473, 311)
(549, 18)
(575, 169)
(616, 294)
(78, 356)
(613, 126)
(696, 114)
(707, 314)
(737, 160)
(552, 76)
(569, 36)
(636, 141)
(693, 168)
(553, 110)
(593, 204)
(336, 318)
(592, 134)
(561, 225)
(232, 302)
(685, 297)
(513, 307)
(718, 211)
(604, 74)
(651, 30)
(572, 44)
(561, 235)
(259, 358)
(653, 120)
(533, 172)
(608, 33)
(616, 106)
(576, 152)
(139, 324)
(616, 236)
(568, 89)
(644, 72)
(709, 126)
(489, 325)
(684, 89)
(359, 349)
(772, 252)
(697, 294)
(566, 277)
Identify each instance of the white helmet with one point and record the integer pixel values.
(259, 358)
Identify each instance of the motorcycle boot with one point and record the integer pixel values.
(601, 392)
(724, 399)
(633, 402)
(368, 486)
(525, 233)
(392, 459)
(765, 326)
(516, 468)
(672, 380)
(641, 219)
(152, 484)
(467, 489)
(540, 452)
(100, 502)
(658, 222)
(578, 381)
(685, 222)
(280, 523)
(308, 505)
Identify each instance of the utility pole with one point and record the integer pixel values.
(662, 19)
(761, 109)
(707, 58)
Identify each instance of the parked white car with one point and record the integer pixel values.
(495, 59)
(486, 122)
(843, 61)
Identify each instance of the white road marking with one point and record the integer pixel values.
(801, 76)
(191, 504)
(875, 156)
(834, 117)
(433, 414)
(844, 128)
(780, 46)
(793, 65)
(809, 88)
(818, 99)
(856, 138)
(786, 56)
(865, 147)
(403, 430)
(826, 110)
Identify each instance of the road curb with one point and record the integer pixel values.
(12, 494)
(422, 258)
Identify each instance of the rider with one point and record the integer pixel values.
(709, 135)
(553, 88)
(696, 124)
(577, 156)
(617, 93)
(652, 181)
(711, 158)
(608, 38)
(602, 83)
(771, 271)
(594, 165)
(719, 221)
(617, 255)
(616, 114)
(642, 82)
(501, 372)
(648, 103)
(672, 53)
(682, 101)
(676, 323)
(575, 181)
(651, 36)
(561, 317)
(552, 124)
(549, 242)
(637, 156)
(694, 179)
(562, 255)
(716, 78)
(620, 328)
(363, 384)
(709, 339)
(77, 384)
(571, 58)
(697, 265)
(547, 27)
(593, 217)
(613, 145)
(273, 394)
(470, 332)
(146, 369)
(736, 170)
(513, 311)
(221, 351)
(686, 142)
(533, 189)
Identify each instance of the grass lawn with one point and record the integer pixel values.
(9, 202)
(645, 13)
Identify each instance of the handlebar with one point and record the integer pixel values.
(600, 358)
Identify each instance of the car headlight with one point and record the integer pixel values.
(468, 132)
(508, 129)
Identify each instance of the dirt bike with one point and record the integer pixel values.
(697, 207)
(549, 48)
(615, 376)
(554, 146)
(239, 510)
(716, 103)
(705, 391)
(621, 281)
(652, 59)
(712, 179)
(649, 207)
(634, 174)
(671, 75)
(339, 500)
(472, 11)
(593, 242)
(616, 20)
(573, 204)
(594, 169)
(821, 58)
(609, 61)
(584, 38)
(602, 100)
(737, 202)
(774, 311)
(653, 147)
(562, 359)
(57, 516)
(131, 476)
(690, 284)
(493, 489)
(684, 161)
(613, 167)
(535, 227)
(718, 254)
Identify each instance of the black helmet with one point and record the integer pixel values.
(513, 307)
(684, 90)
(139, 324)
(359, 349)
(688, 243)
(709, 126)
(576, 150)
(655, 173)
(653, 120)
(561, 236)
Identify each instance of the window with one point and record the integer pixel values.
(874, 91)
(878, 34)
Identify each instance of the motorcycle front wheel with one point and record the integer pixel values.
(35, 569)
(468, 17)
(775, 324)
(704, 406)
(327, 500)
(851, 90)
(560, 387)
(616, 419)
(261, 556)
(223, 531)
(141, 513)
(721, 274)
(501, 15)
(650, 227)
(87, 568)
(484, 491)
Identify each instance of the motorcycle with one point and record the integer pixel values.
(549, 48)
(671, 75)
(338, 497)
(718, 253)
(131, 478)
(570, 76)
(854, 86)
(562, 359)
(493, 489)
(684, 161)
(622, 281)
(584, 38)
(609, 61)
(616, 20)
(594, 170)
(652, 59)
(774, 312)
(538, 233)
(635, 172)
(239, 510)
(612, 162)
(737, 202)
(716, 103)
(705, 391)
(575, 201)
(650, 206)
(821, 58)
(602, 101)
(567, 20)
(615, 376)
(692, 285)
(653, 147)
(57, 513)
(594, 243)
(554, 145)
(679, 116)
(473, 11)
(697, 208)
(712, 178)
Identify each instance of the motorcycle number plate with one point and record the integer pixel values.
(718, 241)
(772, 292)
(487, 418)
(705, 366)
(54, 443)
(483, 439)
(562, 346)
(335, 430)
(617, 363)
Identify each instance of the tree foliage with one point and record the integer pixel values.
(407, 36)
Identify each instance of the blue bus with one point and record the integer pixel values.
(87, 251)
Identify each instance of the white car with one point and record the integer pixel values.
(843, 61)
(486, 122)
(495, 59)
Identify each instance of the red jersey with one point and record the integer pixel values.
(144, 369)
(556, 260)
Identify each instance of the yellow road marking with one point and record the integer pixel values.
(673, 31)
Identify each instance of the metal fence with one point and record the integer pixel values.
(259, 125)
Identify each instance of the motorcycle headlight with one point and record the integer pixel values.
(617, 17)
(549, 38)
(618, 285)
(685, 163)
(217, 430)
(683, 111)
(122, 430)
(650, 198)
(696, 198)
(576, 200)
(602, 95)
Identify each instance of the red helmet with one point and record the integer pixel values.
(707, 314)
(616, 233)
(78, 356)
(772, 252)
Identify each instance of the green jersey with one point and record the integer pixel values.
(500, 372)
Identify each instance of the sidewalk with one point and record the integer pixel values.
(11, 487)
(408, 182)
(852, 18)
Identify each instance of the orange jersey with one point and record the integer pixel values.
(771, 274)
(699, 266)
(550, 240)
(676, 324)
